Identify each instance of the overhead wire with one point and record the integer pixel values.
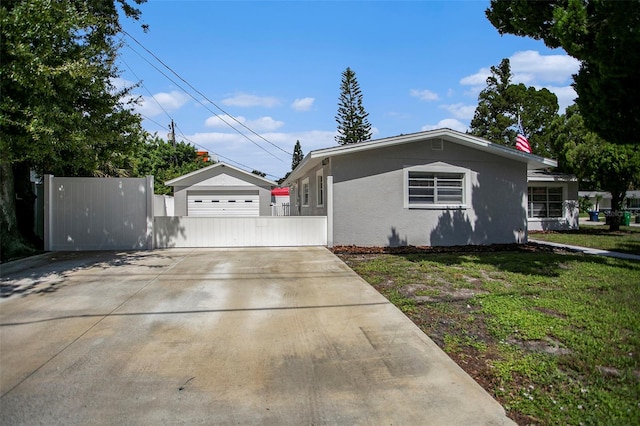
(154, 122)
(147, 89)
(203, 104)
(201, 94)
(244, 166)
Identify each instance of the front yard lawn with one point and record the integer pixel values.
(554, 336)
(627, 240)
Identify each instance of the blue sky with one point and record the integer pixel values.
(275, 66)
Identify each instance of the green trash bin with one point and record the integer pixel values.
(626, 219)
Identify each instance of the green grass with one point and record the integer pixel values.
(627, 240)
(588, 306)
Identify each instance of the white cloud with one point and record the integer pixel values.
(533, 69)
(246, 100)
(262, 124)
(477, 79)
(160, 102)
(450, 123)
(121, 83)
(529, 67)
(303, 104)
(222, 120)
(424, 95)
(460, 110)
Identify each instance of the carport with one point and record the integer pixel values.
(219, 336)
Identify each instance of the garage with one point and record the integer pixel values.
(221, 190)
(221, 203)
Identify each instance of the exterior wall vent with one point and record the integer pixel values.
(437, 144)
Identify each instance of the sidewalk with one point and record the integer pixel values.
(588, 250)
(602, 222)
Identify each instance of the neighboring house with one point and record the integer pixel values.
(631, 202)
(552, 201)
(434, 188)
(221, 190)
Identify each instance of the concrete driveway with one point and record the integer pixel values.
(219, 336)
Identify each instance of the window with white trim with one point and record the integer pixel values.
(319, 188)
(633, 203)
(434, 188)
(544, 202)
(305, 192)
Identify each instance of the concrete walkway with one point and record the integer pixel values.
(588, 250)
(269, 336)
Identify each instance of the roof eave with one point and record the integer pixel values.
(179, 179)
(534, 162)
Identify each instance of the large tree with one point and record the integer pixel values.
(600, 164)
(165, 161)
(353, 125)
(504, 109)
(60, 112)
(605, 37)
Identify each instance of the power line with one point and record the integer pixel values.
(146, 88)
(185, 138)
(201, 94)
(172, 120)
(154, 121)
(203, 104)
(247, 168)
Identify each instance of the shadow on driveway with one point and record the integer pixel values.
(221, 336)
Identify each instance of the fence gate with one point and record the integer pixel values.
(98, 213)
(262, 231)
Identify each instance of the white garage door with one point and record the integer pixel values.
(235, 204)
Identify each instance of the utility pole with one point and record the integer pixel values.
(172, 133)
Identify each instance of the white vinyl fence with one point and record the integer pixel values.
(98, 213)
(163, 205)
(118, 214)
(283, 209)
(283, 231)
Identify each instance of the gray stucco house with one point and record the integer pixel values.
(221, 190)
(552, 201)
(434, 188)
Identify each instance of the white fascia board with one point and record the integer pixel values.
(308, 162)
(532, 176)
(534, 162)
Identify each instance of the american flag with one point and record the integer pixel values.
(523, 144)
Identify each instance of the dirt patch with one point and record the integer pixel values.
(547, 346)
(446, 313)
(442, 294)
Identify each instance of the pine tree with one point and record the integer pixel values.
(353, 126)
(505, 109)
(297, 155)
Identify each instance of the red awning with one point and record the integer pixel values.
(280, 192)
